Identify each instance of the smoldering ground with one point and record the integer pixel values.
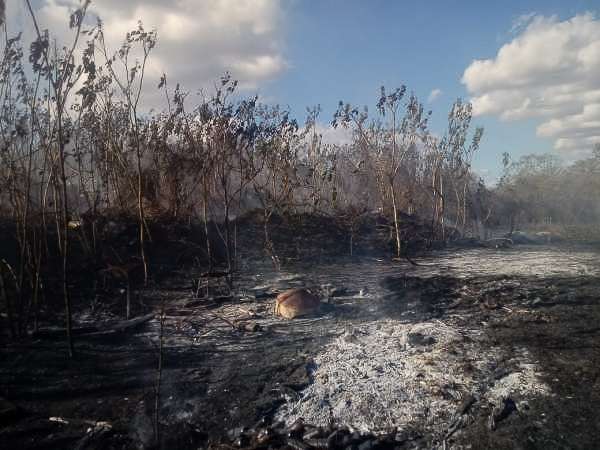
(398, 351)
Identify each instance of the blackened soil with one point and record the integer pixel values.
(556, 319)
(560, 328)
(220, 375)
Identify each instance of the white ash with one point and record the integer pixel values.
(520, 384)
(372, 379)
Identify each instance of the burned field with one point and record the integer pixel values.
(200, 267)
(478, 348)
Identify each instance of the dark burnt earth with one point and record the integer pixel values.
(479, 348)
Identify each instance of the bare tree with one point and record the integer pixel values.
(62, 73)
(386, 140)
(453, 162)
(131, 83)
(275, 165)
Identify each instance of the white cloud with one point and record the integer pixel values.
(337, 136)
(521, 22)
(334, 136)
(197, 40)
(433, 95)
(549, 71)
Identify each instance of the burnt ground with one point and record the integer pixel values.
(556, 321)
(559, 326)
(228, 363)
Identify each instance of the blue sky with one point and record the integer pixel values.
(346, 49)
(537, 90)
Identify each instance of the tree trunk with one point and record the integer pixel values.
(9, 308)
(464, 208)
(458, 209)
(396, 221)
(442, 208)
(142, 234)
(269, 243)
(206, 231)
(228, 246)
(65, 235)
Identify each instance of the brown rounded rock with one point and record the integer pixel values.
(295, 303)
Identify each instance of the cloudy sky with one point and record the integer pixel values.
(531, 68)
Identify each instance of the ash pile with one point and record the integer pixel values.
(401, 382)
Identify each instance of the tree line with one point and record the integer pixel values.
(542, 191)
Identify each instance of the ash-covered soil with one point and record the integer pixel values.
(475, 348)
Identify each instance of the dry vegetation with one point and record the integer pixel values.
(79, 157)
